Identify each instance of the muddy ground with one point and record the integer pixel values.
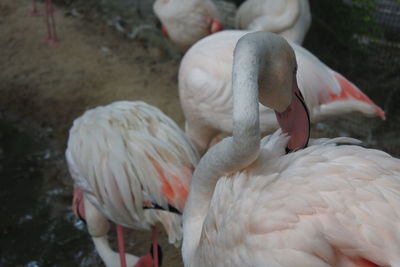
(44, 88)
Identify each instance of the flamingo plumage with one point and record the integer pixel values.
(205, 89)
(133, 165)
(185, 22)
(252, 204)
(289, 18)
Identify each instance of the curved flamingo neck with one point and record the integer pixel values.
(233, 153)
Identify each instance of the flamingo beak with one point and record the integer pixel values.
(216, 26)
(78, 205)
(165, 32)
(295, 120)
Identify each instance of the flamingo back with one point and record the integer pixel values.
(128, 156)
(205, 89)
(326, 205)
(289, 18)
(187, 21)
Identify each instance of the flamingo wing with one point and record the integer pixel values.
(327, 92)
(125, 155)
(326, 205)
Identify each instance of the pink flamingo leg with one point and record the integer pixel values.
(47, 23)
(51, 28)
(121, 245)
(155, 246)
(53, 24)
(34, 11)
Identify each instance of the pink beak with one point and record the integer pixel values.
(295, 120)
(165, 32)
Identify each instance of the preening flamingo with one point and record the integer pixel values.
(205, 89)
(133, 165)
(251, 204)
(185, 22)
(289, 18)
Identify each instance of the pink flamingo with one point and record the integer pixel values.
(252, 204)
(131, 164)
(289, 18)
(185, 22)
(205, 89)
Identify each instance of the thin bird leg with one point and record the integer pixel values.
(121, 245)
(34, 11)
(54, 40)
(155, 246)
(51, 34)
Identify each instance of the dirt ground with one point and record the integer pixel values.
(43, 89)
(93, 65)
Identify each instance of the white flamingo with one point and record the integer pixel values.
(185, 22)
(250, 204)
(289, 18)
(133, 165)
(206, 94)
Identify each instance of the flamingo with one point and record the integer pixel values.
(205, 89)
(251, 204)
(289, 18)
(52, 39)
(185, 22)
(131, 164)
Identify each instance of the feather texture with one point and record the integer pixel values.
(205, 89)
(289, 18)
(127, 155)
(326, 205)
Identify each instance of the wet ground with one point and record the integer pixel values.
(43, 89)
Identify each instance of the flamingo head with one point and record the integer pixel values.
(279, 91)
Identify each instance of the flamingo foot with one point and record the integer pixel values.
(51, 42)
(149, 260)
(145, 261)
(35, 13)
